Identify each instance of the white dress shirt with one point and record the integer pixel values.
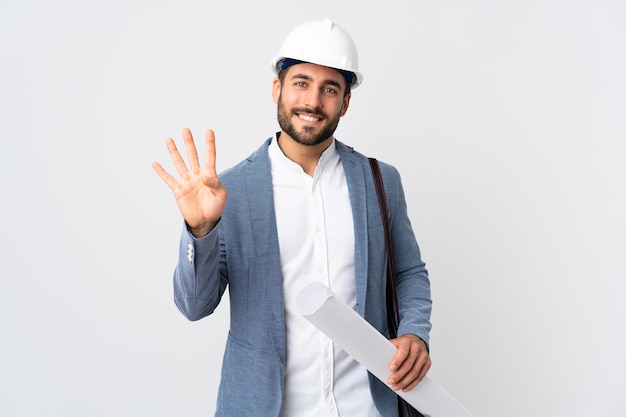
(316, 241)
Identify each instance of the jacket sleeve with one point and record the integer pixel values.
(198, 286)
(412, 281)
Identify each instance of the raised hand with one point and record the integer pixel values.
(200, 195)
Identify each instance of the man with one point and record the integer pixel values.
(302, 208)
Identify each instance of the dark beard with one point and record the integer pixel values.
(306, 136)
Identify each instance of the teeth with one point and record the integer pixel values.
(309, 118)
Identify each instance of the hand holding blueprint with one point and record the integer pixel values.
(318, 304)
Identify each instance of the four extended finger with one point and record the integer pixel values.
(190, 147)
(210, 152)
(178, 161)
(165, 176)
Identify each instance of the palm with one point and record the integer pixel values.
(200, 196)
(196, 201)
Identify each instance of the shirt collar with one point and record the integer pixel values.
(277, 156)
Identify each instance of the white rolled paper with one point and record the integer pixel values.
(319, 305)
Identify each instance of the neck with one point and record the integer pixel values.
(304, 155)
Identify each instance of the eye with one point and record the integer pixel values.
(330, 90)
(300, 84)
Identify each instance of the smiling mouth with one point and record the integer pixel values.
(308, 117)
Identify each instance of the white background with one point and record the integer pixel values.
(506, 119)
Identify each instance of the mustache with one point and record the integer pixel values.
(308, 111)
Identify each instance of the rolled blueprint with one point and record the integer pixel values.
(319, 305)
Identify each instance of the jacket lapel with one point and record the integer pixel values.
(355, 178)
(258, 182)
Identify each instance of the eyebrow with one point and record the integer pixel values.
(308, 78)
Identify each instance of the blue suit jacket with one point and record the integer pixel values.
(242, 253)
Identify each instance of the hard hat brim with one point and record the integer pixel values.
(277, 65)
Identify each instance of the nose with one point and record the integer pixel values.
(312, 98)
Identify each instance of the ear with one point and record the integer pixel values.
(346, 104)
(276, 90)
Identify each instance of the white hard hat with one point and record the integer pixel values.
(321, 42)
